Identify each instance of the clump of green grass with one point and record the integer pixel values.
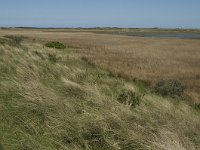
(53, 58)
(130, 145)
(95, 137)
(2, 41)
(55, 44)
(129, 98)
(170, 88)
(88, 61)
(1, 147)
(15, 40)
(39, 54)
(197, 106)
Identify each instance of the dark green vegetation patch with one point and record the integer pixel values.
(129, 98)
(197, 106)
(55, 44)
(15, 40)
(170, 88)
(53, 58)
(12, 40)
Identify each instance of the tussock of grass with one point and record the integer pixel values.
(197, 106)
(129, 98)
(72, 105)
(55, 44)
(15, 40)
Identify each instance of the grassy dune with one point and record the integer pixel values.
(53, 99)
(149, 59)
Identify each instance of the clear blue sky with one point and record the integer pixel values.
(93, 13)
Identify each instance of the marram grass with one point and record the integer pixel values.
(69, 104)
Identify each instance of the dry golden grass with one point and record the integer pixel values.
(69, 104)
(134, 57)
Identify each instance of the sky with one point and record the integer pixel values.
(100, 13)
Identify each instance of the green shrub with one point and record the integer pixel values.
(55, 44)
(170, 88)
(129, 98)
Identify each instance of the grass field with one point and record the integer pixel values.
(54, 99)
(137, 58)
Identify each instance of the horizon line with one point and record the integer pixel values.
(103, 27)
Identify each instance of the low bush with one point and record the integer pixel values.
(55, 44)
(129, 98)
(170, 88)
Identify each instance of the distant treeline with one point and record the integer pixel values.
(106, 28)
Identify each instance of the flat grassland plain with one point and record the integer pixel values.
(138, 58)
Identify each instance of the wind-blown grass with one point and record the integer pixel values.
(71, 104)
(147, 59)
